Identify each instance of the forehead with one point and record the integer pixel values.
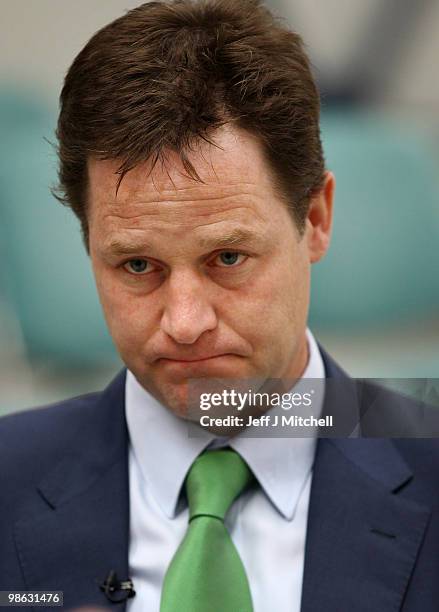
(233, 174)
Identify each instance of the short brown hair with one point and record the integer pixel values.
(170, 73)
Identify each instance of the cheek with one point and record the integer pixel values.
(127, 316)
(272, 309)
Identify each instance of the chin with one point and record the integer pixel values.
(174, 397)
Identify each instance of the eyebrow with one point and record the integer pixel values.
(234, 237)
(119, 246)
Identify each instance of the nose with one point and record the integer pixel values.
(188, 311)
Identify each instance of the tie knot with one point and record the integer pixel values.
(215, 479)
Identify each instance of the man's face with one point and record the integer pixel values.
(206, 279)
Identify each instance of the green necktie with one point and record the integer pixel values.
(206, 573)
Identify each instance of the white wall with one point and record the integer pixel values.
(332, 28)
(40, 38)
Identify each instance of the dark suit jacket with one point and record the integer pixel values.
(373, 528)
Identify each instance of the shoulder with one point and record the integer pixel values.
(43, 420)
(411, 426)
(32, 440)
(390, 419)
(422, 455)
(57, 441)
(389, 414)
(381, 412)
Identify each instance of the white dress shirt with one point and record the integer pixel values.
(267, 523)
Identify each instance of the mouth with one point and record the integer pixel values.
(195, 361)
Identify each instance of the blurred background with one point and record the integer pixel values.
(375, 298)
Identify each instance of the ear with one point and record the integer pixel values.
(319, 219)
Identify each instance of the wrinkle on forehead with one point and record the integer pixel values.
(235, 162)
(178, 205)
(200, 196)
(244, 216)
(190, 211)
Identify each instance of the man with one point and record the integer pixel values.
(190, 151)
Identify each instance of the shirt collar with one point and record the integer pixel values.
(164, 450)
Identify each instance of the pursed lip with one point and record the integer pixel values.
(194, 360)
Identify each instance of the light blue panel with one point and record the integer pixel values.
(49, 280)
(383, 264)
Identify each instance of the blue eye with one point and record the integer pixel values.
(229, 258)
(136, 266)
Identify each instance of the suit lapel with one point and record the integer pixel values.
(75, 528)
(363, 536)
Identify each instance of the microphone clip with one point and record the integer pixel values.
(117, 590)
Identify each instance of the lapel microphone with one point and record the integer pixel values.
(117, 590)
